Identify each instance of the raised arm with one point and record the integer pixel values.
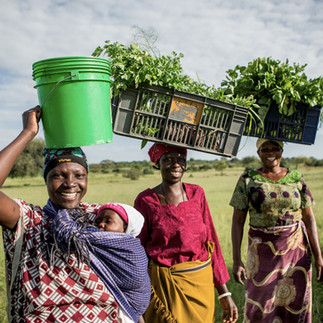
(238, 221)
(9, 210)
(311, 228)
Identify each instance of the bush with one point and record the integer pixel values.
(148, 171)
(133, 174)
(205, 167)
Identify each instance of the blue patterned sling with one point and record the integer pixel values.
(118, 259)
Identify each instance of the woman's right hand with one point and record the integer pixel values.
(239, 272)
(30, 119)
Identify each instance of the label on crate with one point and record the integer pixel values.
(186, 110)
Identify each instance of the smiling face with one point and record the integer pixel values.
(109, 220)
(172, 166)
(67, 184)
(270, 154)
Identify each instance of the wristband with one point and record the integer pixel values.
(224, 295)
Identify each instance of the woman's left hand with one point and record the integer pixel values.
(312, 231)
(230, 310)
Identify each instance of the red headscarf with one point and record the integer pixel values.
(157, 150)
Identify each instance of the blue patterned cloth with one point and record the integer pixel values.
(117, 258)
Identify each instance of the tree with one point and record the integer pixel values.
(107, 165)
(148, 171)
(299, 160)
(95, 168)
(234, 162)
(311, 161)
(205, 167)
(250, 162)
(133, 173)
(220, 166)
(285, 163)
(30, 162)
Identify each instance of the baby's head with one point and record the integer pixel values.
(117, 217)
(112, 217)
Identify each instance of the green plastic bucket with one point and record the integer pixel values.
(74, 93)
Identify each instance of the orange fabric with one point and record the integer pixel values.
(182, 293)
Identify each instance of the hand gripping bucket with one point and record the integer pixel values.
(74, 93)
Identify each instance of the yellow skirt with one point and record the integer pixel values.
(182, 293)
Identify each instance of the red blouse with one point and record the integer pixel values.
(174, 234)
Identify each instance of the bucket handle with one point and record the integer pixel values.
(50, 92)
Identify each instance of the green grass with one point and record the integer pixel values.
(218, 189)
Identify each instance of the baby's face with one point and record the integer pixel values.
(109, 220)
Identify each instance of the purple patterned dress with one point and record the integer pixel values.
(278, 265)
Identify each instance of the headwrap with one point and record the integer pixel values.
(261, 141)
(157, 150)
(118, 259)
(54, 157)
(129, 214)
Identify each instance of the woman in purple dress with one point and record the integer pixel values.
(282, 237)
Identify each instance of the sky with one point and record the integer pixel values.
(213, 35)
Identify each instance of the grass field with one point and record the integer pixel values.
(218, 189)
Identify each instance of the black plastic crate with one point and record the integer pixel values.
(187, 120)
(301, 127)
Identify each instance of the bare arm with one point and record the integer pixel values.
(311, 227)
(9, 211)
(238, 221)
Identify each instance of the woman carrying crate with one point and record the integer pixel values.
(180, 239)
(282, 236)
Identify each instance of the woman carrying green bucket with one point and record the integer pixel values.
(60, 266)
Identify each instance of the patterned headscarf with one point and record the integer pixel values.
(157, 150)
(54, 157)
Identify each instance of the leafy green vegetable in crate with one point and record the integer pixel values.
(131, 66)
(274, 83)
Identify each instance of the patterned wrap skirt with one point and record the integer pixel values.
(279, 271)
